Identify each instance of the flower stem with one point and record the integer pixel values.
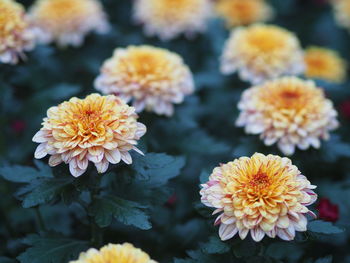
(41, 223)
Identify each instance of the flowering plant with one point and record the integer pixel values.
(171, 131)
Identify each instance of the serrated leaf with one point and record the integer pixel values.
(51, 249)
(327, 259)
(158, 168)
(18, 173)
(323, 227)
(215, 246)
(104, 209)
(42, 191)
(25, 174)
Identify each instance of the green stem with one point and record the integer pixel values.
(7, 224)
(96, 234)
(96, 231)
(40, 220)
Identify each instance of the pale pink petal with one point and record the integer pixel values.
(113, 156)
(227, 231)
(55, 160)
(126, 157)
(40, 151)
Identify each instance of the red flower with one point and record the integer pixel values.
(345, 109)
(171, 201)
(328, 211)
(18, 126)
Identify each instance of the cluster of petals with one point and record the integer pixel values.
(342, 12)
(16, 35)
(242, 13)
(114, 253)
(325, 64)
(261, 52)
(153, 78)
(289, 111)
(263, 195)
(168, 19)
(100, 129)
(67, 22)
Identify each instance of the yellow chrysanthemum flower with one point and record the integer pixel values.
(260, 52)
(100, 129)
(169, 18)
(68, 21)
(242, 13)
(15, 34)
(326, 64)
(290, 111)
(342, 12)
(153, 78)
(125, 253)
(263, 195)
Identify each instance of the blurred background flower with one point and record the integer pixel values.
(288, 111)
(241, 13)
(168, 19)
(342, 12)
(326, 64)
(327, 210)
(16, 35)
(260, 52)
(153, 78)
(67, 22)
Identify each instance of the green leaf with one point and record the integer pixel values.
(51, 249)
(334, 149)
(59, 92)
(24, 174)
(215, 246)
(18, 173)
(43, 190)
(284, 250)
(202, 143)
(327, 259)
(323, 227)
(104, 209)
(158, 168)
(204, 177)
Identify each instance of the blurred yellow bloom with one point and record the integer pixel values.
(15, 34)
(260, 52)
(342, 12)
(263, 195)
(169, 18)
(241, 13)
(68, 21)
(125, 253)
(153, 78)
(288, 111)
(100, 129)
(326, 64)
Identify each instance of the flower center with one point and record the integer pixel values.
(260, 180)
(316, 62)
(266, 41)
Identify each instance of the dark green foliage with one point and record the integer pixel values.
(53, 249)
(155, 203)
(126, 212)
